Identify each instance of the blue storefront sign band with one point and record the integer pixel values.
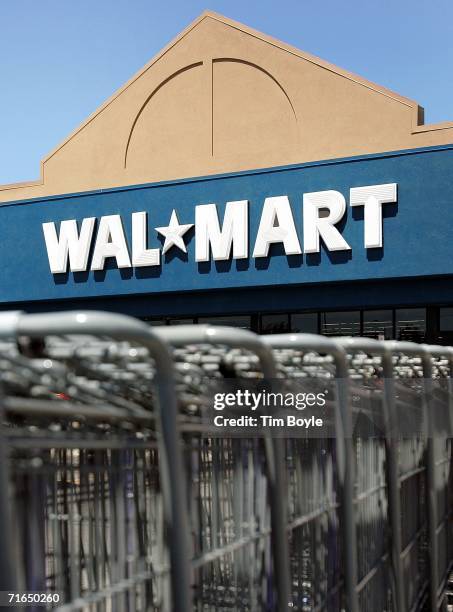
(297, 225)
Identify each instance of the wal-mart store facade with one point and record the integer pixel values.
(240, 181)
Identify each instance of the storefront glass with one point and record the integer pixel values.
(340, 323)
(378, 324)
(386, 324)
(244, 322)
(306, 322)
(275, 324)
(410, 324)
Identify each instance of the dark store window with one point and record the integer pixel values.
(184, 321)
(378, 324)
(340, 323)
(410, 324)
(242, 321)
(401, 323)
(306, 322)
(446, 325)
(446, 320)
(275, 324)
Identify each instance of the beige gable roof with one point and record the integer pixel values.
(221, 98)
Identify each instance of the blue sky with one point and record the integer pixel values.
(60, 59)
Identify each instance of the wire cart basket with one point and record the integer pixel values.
(118, 494)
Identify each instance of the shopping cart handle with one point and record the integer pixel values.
(8, 323)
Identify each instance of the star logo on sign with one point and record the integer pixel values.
(173, 233)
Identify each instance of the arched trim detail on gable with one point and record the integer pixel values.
(150, 97)
(264, 71)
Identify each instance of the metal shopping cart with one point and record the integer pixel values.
(119, 494)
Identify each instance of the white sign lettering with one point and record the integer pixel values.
(141, 255)
(276, 225)
(68, 243)
(316, 227)
(110, 242)
(372, 198)
(234, 232)
(322, 212)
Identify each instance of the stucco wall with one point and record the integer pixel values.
(222, 98)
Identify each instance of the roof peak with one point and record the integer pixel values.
(273, 105)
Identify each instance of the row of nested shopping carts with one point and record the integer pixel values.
(118, 495)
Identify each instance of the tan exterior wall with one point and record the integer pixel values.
(223, 98)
